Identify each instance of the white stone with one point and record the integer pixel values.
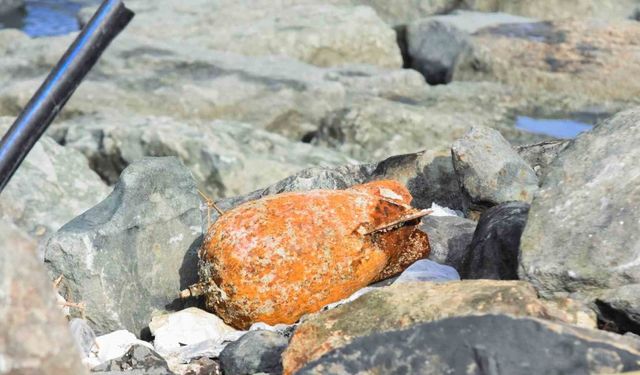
(187, 327)
(113, 345)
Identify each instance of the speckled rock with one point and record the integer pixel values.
(582, 234)
(490, 171)
(484, 344)
(131, 254)
(329, 244)
(35, 336)
(400, 306)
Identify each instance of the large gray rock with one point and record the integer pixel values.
(226, 158)
(493, 253)
(449, 237)
(582, 230)
(53, 185)
(255, 352)
(35, 336)
(131, 254)
(490, 171)
(482, 345)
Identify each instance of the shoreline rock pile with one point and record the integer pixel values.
(299, 121)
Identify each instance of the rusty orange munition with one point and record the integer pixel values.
(275, 259)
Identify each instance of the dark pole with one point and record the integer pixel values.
(111, 18)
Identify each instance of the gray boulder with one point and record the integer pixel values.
(255, 352)
(131, 254)
(582, 229)
(53, 185)
(449, 237)
(35, 336)
(483, 345)
(226, 158)
(490, 171)
(493, 253)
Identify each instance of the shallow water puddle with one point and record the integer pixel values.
(45, 17)
(558, 128)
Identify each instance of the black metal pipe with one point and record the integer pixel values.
(111, 18)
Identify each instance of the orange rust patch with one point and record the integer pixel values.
(280, 257)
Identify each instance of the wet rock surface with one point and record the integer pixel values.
(478, 344)
(151, 221)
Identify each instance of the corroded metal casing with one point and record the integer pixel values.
(275, 259)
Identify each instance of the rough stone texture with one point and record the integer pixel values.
(112, 346)
(568, 57)
(186, 327)
(481, 345)
(255, 352)
(35, 336)
(7, 6)
(53, 185)
(226, 158)
(403, 305)
(137, 361)
(329, 245)
(540, 155)
(582, 229)
(449, 237)
(490, 171)
(134, 251)
(493, 253)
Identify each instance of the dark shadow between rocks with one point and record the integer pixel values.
(401, 39)
(614, 320)
(188, 276)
